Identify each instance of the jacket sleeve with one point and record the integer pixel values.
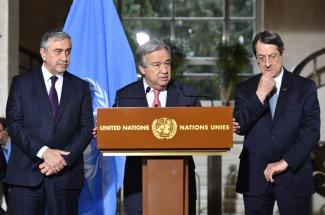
(15, 117)
(248, 109)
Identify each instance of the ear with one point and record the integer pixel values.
(43, 53)
(142, 70)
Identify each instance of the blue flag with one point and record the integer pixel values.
(102, 56)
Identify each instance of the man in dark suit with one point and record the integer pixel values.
(5, 145)
(278, 112)
(50, 121)
(154, 89)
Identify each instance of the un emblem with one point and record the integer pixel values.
(164, 128)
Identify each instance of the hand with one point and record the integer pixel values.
(54, 159)
(45, 169)
(235, 126)
(265, 86)
(274, 168)
(95, 132)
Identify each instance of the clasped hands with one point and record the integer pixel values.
(53, 161)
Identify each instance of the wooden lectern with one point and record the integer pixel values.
(157, 132)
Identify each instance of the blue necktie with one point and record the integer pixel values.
(273, 100)
(53, 96)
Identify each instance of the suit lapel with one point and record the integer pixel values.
(65, 95)
(172, 95)
(39, 84)
(283, 95)
(139, 92)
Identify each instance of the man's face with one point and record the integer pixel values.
(269, 58)
(57, 56)
(157, 69)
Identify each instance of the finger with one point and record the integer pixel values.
(270, 176)
(63, 152)
(48, 173)
(44, 170)
(265, 173)
(61, 166)
(63, 163)
(42, 165)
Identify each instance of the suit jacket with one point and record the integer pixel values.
(3, 164)
(133, 95)
(290, 135)
(32, 126)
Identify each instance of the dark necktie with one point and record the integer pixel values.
(53, 96)
(156, 101)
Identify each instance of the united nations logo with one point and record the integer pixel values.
(164, 128)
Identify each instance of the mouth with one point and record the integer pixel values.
(163, 78)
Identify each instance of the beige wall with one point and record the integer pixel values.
(37, 17)
(300, 23)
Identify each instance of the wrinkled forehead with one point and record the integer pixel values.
(266, 49)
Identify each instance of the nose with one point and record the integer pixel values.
(164, 68)
(267, 62)
(65, 56)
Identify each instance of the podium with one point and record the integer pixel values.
(157, 132)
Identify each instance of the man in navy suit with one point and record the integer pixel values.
(278, 112)
(5, 145)
(155, 88)
(50, 121)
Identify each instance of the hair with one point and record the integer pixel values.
(3, 122)
(56, 35)
(268, 37)
(147, 48)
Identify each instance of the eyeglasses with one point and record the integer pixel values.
(271, 58)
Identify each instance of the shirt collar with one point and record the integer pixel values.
(145, 85)
(47, 75)
(279, 77)
(278, 80)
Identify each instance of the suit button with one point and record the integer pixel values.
(273, 137)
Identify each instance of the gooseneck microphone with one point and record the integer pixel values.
(131, 98)
(147, 90)
(180, 87)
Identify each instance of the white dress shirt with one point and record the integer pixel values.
(58, 86)
(151, 96)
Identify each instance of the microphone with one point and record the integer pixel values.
(132, 98)
(180, 87)
(147, 90)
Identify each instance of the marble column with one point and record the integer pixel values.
(9, 47)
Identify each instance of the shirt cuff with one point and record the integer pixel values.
(41, 152)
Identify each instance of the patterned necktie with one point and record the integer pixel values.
(156, 102)
(53, 96)
(273, 100)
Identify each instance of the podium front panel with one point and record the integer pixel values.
(170, 130)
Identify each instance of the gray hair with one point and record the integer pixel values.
(147, 48)
(56, 35)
